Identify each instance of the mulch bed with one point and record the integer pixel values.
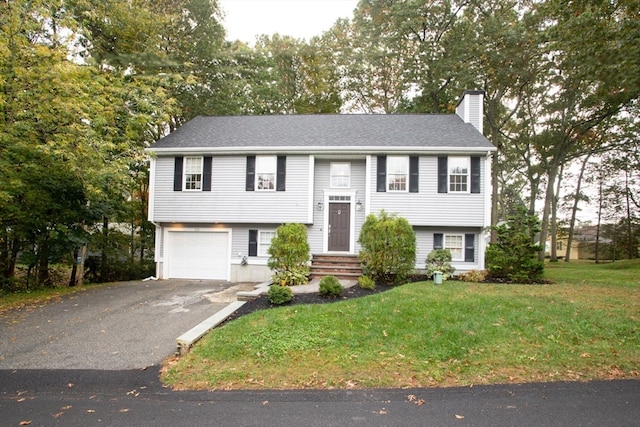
(262, 302)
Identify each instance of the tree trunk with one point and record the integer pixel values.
(627, 191)
(600, 178)
(74, 268)
(574, 208)
(104, 259)
(43, 263)
(546, 212)
(554, 219)
(83, 256)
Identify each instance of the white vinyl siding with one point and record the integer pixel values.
(424, 246)
(428, 207)
(228, 202)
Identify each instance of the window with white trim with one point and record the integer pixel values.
(340, 175)
(266, 167)
(264, 242)
(455, 244)
(458, 174)
(397, 173)
(192, 173)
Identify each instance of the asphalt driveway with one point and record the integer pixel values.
(129, 325)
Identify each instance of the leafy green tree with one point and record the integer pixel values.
(388, 251)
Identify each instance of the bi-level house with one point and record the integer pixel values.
(220, 186)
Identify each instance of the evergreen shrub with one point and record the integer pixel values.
(388, 251)
(330, 286)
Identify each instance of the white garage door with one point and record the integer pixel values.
(198, 255)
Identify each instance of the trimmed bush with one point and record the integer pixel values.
(366, 282)
(514, 256)
(440, 260)
(279, 295)
(388, 251)
(289, 255)
(330, 286)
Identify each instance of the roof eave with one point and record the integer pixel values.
(317, 150)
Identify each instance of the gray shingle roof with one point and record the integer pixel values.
(325, 132)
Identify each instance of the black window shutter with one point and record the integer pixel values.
(414, 173)
(281, 174)
(438, 241)
(177, 174)
(382, 174)
(443, 174)
(251, 173)
(475, 174)
(206, 174)
(253, 242)
(469, 247)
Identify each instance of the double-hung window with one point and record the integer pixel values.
(264, 242)
(397, 173)
(340, 175)
(266, 167)
(192, 173)
(458, 174)
(455, 244)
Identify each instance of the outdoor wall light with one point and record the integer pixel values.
(320, 206)
(358, 206)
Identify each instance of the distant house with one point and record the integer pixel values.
(220, 186)
(583, 245)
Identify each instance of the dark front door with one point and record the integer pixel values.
(339, 226)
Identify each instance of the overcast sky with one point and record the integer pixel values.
(303, 19)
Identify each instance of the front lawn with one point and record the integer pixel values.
(586, 326)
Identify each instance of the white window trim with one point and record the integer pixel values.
(261, 252)
(462, 245)
(390, 174)
(185, 173)
(266, 165)
(452, 159)
(331, 184)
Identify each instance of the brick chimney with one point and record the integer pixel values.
(470, 108)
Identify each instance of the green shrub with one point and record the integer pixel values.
(279, 295)
(366, 282)
(514, 256)
(440, 260)
(289, 255)
(388, 251)
(330, 286)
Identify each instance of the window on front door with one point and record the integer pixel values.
(340, 175)
(192, 173)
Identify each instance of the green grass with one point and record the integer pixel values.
(586, 326)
